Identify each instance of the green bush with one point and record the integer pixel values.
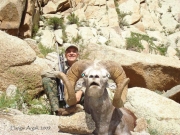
(76, 39)
(5, 102)
(121, 15)
(56, 22)
(134, 43)
(15, 102)
(73, 19)
(162, 49)
(45, 50)
(38, 107)
(23, 99)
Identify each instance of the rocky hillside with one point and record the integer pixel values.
(141, 35)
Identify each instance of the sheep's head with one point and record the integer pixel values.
(95, 79)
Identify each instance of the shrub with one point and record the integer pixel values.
(5, 102)
(45, 50)
(21, 100)
(73, 19)
(15, 102)
(162, 49)
(134, 43)
(121, 15)
(38, 107)
(76, 39)
(56, 22)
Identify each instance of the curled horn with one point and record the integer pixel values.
(73, 74)
(68, 89)
(118, 75)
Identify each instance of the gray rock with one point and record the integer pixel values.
(78, 123)
(162, 114)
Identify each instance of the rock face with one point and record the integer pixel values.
(18, 17)
(19, 124)
(149, 71)
(17, 66)
(162, 114)
(155, 114)
(11, 13)
(82, 123)
(103, 30)
(28, 125)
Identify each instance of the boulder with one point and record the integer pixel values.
(71, 32)
(15, 122)
(154, 72)
(14, 51)
(11, 13)
(17, 66)
(49, 8)
(47, 38)
(78, 123)
(29, 124)
(149, 19)
(162, 114)
(18, 17)
(112, 14)
(168, 22)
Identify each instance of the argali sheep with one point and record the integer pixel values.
(110, 117)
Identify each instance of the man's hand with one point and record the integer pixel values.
(78, 95)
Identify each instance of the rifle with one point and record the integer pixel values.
(61, 65)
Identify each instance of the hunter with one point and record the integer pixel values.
(51, 84)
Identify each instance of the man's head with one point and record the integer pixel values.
(71, 54)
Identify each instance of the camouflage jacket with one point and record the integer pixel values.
(49, 74)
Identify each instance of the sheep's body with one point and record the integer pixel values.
(108, 119)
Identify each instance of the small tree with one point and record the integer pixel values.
(73, 19)
(56, 22)
(134, 43)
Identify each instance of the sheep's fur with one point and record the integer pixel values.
(109, 120)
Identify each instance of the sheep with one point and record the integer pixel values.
(110, 117)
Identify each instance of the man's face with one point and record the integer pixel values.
(71, 54)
